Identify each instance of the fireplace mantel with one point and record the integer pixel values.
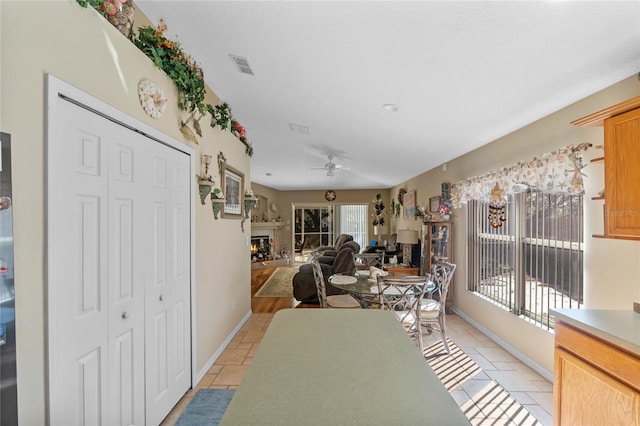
(267, 225)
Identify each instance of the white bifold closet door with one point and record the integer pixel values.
(119, 272)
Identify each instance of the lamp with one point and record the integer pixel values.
(407, 238)
(380, 230)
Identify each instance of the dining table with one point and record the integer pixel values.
(364, 288)
(340, 367)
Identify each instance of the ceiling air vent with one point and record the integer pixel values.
(297, 128)
(242, 64)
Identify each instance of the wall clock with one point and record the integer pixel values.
(330, 195)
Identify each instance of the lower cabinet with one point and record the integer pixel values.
(592, 381)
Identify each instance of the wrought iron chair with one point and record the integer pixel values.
(403, 295)
(432, 312)
(335, 301)
(369, 259)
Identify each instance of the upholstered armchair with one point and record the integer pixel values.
(327, 254)
(304, 285)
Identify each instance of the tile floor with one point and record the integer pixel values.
(526, 386)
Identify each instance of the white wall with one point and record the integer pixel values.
(80, 47)
(612, 267)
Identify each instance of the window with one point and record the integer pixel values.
(533, 262)
(319, 227)
(313, 223)
(352, 219)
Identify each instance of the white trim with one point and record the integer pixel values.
(506, 346)
(221, 348)
(53, 88)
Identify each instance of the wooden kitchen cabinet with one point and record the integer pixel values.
(621, 167)
(595, 382)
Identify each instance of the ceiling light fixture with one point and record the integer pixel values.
(390, 107)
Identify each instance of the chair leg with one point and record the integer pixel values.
(441, 320)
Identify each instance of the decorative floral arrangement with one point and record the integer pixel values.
(217, 194)
(179, 66)
(249, 193)
(378, 216)
(169, 56)
(445, 208)
(220, 115)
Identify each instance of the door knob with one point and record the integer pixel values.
(161, 297)
(125, 315)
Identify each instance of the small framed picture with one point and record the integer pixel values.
(434, 204)
(232, 182)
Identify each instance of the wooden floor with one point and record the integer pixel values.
(265, 305)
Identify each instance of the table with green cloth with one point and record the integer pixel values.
(340, 367)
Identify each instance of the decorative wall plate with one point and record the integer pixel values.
(274, 207)
(152, 98)
(330, 195)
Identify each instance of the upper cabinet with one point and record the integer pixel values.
(621, 167)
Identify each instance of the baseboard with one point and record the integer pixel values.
(506, 346)
(222, 347)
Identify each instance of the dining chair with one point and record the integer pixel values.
(403, 296)
(432, 312)
(334, 301)
(365, 260)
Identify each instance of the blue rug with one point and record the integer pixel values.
(206, 407)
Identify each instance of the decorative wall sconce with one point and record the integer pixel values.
(216, 205)
(249, 204)
(205, 182)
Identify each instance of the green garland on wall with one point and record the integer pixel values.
(186, 74)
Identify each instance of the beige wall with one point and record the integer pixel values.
(80, 47)
(612, 267)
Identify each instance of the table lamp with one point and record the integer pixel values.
(407, 238)
(380, 230)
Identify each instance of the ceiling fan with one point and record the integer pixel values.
(330, 167)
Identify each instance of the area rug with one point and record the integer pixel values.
(490, 405)
(206, 408)
(279, 283)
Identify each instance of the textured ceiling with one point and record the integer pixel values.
(462, 74)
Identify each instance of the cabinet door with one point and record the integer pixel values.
(622, 172)
(585, 396)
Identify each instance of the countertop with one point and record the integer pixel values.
(340, 366)
(620, 327)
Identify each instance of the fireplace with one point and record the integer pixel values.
(260, 247)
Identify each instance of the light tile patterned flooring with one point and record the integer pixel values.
(531, 390)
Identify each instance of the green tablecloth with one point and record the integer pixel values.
(340, 367)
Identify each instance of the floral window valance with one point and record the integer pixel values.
(557, 172)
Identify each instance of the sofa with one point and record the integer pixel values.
(304, 284)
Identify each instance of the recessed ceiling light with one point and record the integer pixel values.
(390, 107)
(268, 174)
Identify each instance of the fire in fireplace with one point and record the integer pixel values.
(260, 247)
